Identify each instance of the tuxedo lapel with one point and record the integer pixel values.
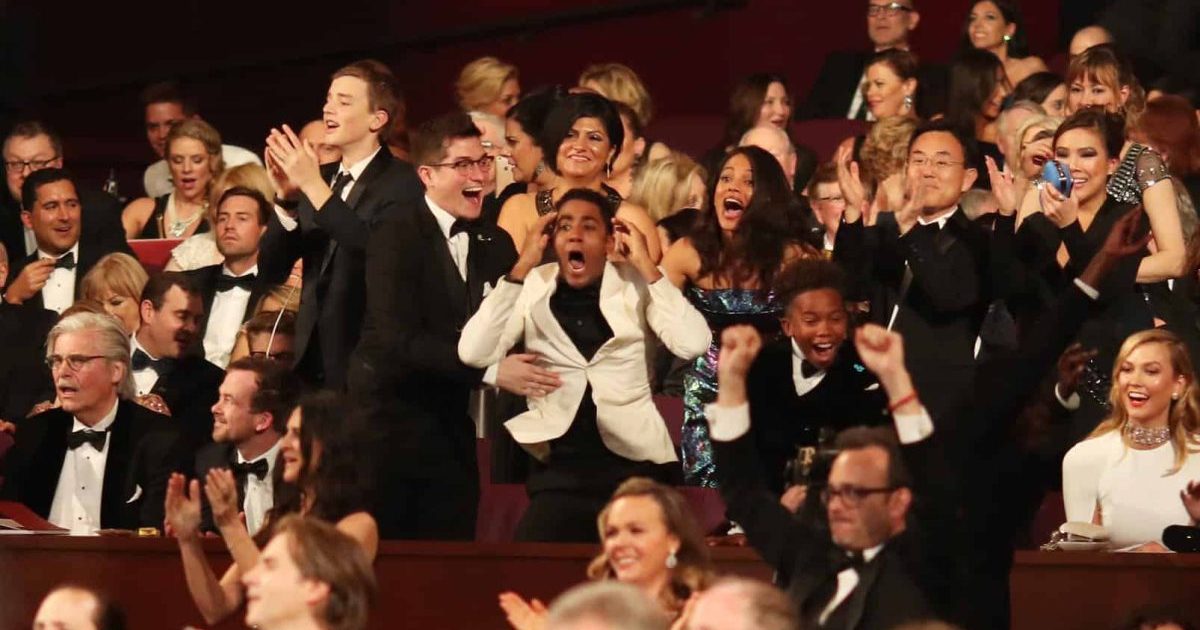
(42, 479)
(614, 309)
(446, 270)
(856, 601)
(545, 322)
(376, 167)
(116, 468)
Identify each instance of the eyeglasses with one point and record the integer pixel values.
(74, 362)
(463, 166)
(282, 357)
(17, 166)
(940, 165)
(850, 495)
(891, 9)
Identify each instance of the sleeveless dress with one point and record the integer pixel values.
(721, 308)
(158, 216)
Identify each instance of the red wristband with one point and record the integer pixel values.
(892, 407)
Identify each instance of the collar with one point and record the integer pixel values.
(799, 355)
(249, 272)
(444, 219)
(74, 250)
(356, 169)
(869, 554)
(135, 346)
(590, 292)
(105, 422)
(940, 221)
(270, 455)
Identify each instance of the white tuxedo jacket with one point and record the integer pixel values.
(619, 373)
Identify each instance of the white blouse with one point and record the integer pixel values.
(1137, 498)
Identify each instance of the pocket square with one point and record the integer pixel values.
(137, 494)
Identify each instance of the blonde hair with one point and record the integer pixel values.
(249, 175)
(203, 133)
(1184, 416)
(480, 82)
(662, 186)
(885, 149)
(117, 272)
(1039, 121)
(618, 82)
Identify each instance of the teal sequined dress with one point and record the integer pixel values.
(721, 308)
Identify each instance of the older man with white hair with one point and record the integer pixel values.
(775, 141)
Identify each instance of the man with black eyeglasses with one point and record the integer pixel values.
(887, 553)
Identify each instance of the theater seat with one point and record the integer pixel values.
(671, 409)
(694, 135)
(500, 504)
(154, 253)
(823, 135)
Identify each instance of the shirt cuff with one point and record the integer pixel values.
(287, 221)
(726, 424)
(1087, 289)
(913, 427)
(489, 375)
(1071, 403)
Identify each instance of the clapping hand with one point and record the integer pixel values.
(534, 249)
(1003, 187)
(1191, 501)
(914, 202)
(183, 507)
(851, 184)
(221, 489)
(523, 615)
(294, 158)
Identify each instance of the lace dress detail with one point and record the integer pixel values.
(1142, 168)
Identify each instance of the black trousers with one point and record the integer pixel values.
(443, 508)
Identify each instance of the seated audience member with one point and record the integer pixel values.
(581, 137)
(314, 133)
(268, 335)
(312, 577)
(978, 87)
(162, 364)
(1044, 88)
(620, 84)
(100, 461)
(775, 141)
(50, 277)
(193, 152)
(488, 85)
(228, 290)
(996, 27)
(599, 426)
(760, 99)
(1087, 37)
(605, 606)
(31, 146)
(1137, 472)
(523, 132)
(889, 554)
(249, 420)
(70, 607)
(828, 204)
(116, 282)
(884, 156)
(811, 382)
(166, 107)
(650, 540)
(631, 155)
(1034, 140)
(742, 604)
(322, 456)
(890, 88)
(200, 250)
(24, 379)
(667, 185)
(1008, 123)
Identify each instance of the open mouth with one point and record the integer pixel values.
(331, 125)
(823, 351)
(1137, 399)
(575, 261)
(187, 182)
(474, 195)
(732, 208)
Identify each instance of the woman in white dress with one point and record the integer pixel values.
(1136, 473)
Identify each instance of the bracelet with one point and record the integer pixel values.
(892, 407)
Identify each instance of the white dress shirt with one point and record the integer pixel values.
(459, 244)
(59, 293)
(225, 319)
(77, 498)
(847, 579)
(803, 384)
(857, 102)
(157, 178)
(145, 378)
(356, 170)
(259, 492)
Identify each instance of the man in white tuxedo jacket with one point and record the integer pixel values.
(590, 318)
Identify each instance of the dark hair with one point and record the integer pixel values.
(264, 207)
(433, 136)
(745, 104)
(277, 389)
(598, 199)
(40, 178)
(858, 438)
(967, 142)
(902, 62)
(340, 482)
(972, 81)
(764, 232)
(1036, 87)
(34, 128)
(383, 93)
(263, 323)
(680, 224)
(530, 112)
(169, 92)
(826, 173)
(807, 275)
(571, 108)
(1018, 46)
(1110, 127)
(160, 283)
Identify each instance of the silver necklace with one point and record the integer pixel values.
(1148, 437)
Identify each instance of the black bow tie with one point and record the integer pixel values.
(141, 361)
(460, 225)
(807, 369)
(75, 439)
(256, 468)
(66, 261)
(226, 282)
(841, 560)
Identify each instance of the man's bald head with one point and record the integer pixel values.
(775, 141)
(1087, 37)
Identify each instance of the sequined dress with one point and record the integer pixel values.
(721, 308)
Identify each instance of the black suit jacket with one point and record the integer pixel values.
(332, 240)
(144, 449)
(223, 455)
(100, 222)
(407, 362)
(190, 391)
(205, 281)
(90, 251)
(24, 378)
(839, 79)
(848, 395)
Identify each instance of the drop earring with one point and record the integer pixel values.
(672, 560)
(908, 102)
(1007, 38)
(539, 169)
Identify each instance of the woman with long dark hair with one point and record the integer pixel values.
(725, 266)
(996, 26)
(978, 86)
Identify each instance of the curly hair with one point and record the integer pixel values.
(806, 275)
(885, 150)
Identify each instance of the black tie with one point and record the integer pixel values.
(460, 225)
(807, 369)
(256, 468)
(86, 436)
(66, 261)
(340, 182)
(141, 361)
(227, 282)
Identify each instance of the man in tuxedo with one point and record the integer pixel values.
(591, 319)
(230, 290)
(100, 460)
(808, 386)
(24, 379)
(429, 269)
(336, 208)
(249, 418)
(161, 364)
(32, 146)
(889, 552)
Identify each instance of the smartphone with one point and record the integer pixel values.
(1057, 174)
